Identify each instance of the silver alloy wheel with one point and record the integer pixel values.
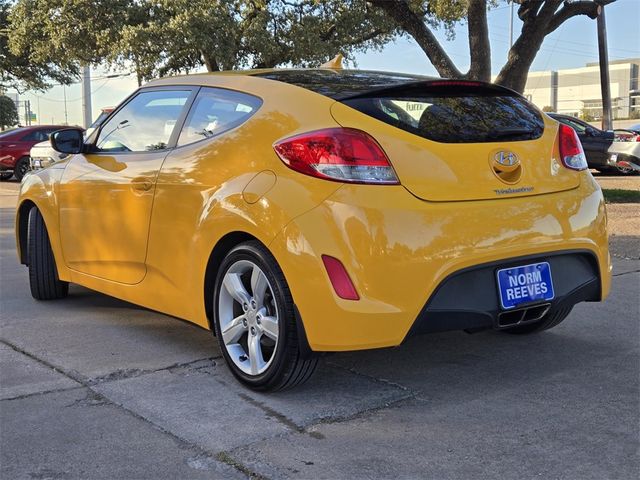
(248, 317)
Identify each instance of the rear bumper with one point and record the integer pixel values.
(469, 299)
(631, 149)
(399, 251)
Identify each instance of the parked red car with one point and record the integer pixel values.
(15, 145)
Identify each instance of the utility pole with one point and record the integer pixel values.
(604, 70)
(511, 26)
(64, 92)
(86, 96)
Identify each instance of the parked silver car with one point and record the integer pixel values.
(43, 155)
(626, 149)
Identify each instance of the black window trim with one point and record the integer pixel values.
(212, 87)
(90, 146)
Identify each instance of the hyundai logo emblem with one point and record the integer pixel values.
(506, 159)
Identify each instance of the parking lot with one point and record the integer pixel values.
(93, 387)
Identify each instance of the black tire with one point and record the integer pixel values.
(545, 323)
(43, 274)
(288, 367)
(4, 176)
(21, 168)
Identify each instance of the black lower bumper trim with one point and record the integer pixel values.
(469, 299)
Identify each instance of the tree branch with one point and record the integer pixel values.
(415, 26)
(582, 7)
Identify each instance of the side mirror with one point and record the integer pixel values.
(67, 140)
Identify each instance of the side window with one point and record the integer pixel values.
(215, 111)
(36, 136)
(144, 124)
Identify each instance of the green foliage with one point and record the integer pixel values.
(49, 40)
(180, 35)
(617, 195)
(158, 37)
(8, 112)
(27, 67)
(548, 108)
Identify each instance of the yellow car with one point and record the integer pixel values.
(302, 211)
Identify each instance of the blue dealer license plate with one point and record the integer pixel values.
(526, 284)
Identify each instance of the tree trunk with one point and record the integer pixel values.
(537, 20)
(479, 45)
(514, 73)
(415, 26)
(209, 62)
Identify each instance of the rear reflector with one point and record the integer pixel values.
(340, 154)
(571, 151)
(339, 277)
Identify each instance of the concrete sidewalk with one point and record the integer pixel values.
(93, 387)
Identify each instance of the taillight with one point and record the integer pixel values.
(571, 151)
(340, 154)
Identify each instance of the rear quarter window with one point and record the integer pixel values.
(457, 117)
(215, 111)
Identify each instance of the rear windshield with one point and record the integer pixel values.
(456, 117)
(438, 110)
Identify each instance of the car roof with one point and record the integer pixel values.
(335, 83)
(339, 83)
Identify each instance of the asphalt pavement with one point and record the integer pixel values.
(92, 387)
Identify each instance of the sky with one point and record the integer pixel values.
(572, 45)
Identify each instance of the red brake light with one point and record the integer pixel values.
(571, 151)
(340, 154)
(339, 277)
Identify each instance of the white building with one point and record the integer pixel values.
(576, 91)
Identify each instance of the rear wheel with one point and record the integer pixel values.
(21, 168)
(255, 322)
(550, 320)
(5, 176)
(43, 274)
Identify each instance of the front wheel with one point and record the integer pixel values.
(43, 273)
(255, 322)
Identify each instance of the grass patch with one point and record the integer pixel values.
(618, 195)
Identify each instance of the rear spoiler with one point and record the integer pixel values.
(434, 86)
